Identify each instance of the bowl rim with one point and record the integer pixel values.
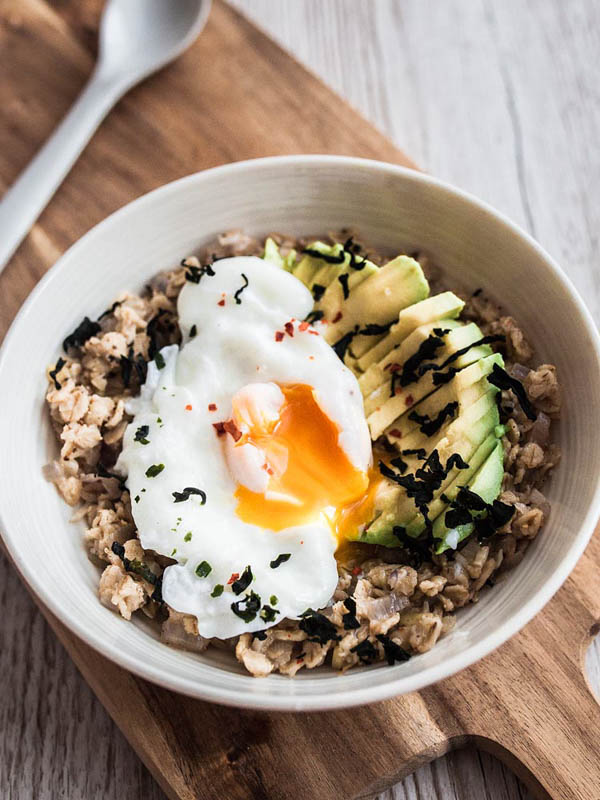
(352, 696)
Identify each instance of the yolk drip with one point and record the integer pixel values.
(317, 477)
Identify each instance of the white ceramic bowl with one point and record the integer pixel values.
(394, 208)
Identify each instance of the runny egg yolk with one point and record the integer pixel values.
(310, 475)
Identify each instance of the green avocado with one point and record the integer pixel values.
(466, 437)
(273, 255)
(433, 309)
(487, 483)
(379, 373)
(466, 387)
(382, 409)
(379, 299)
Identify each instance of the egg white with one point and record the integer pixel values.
(235, 345)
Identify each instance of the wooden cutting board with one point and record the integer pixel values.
(528, 702)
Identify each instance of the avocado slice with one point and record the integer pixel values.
(332, 302)
(466, 388)
(465, 437)
(308, 266)
(487, 483)
(379, 373)
(273, 255)
(380, 530)
(382, 410)
(433, 309)
(379, 299)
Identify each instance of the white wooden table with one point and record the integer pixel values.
(500, 97)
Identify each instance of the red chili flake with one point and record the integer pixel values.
(397, 433)
(212, 406)
(314, 333)
(311, 358)
(279, 336)
(231, 428)
(289, 328)
(221, 303)
(397, 390)
(234, 577)
(410, 400)
(219, 427)
(188, 407)
(301, 541)
(337, 317)
(303, 326)
(394, 367)
(300, 660)
(356, 570)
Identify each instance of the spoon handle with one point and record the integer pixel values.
(28, 196)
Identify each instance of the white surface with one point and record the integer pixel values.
(454, 84)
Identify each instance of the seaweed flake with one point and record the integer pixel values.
(393, 652)
(343, 279)
(110, 310)
(343, 344)
(314, 316)
(399, 464)
(141, 434)
(327, 257)
(84, 331)
(366, 651)
(181, 497)
(134, 565)
(427, 349)
(349, 620)
(281, 559)
(195, 274)
(317, 292)
(430, 426)
(268, 614)
(243, 582)
(417, 452)
(373, 329)
(251, 603)
(317, 627)
(239, 291)
(502, 380)
(54, 372)
(102, 472)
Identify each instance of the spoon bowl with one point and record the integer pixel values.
(138, 37)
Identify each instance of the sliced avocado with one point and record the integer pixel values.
(380, 530)
(464, 437)
(379, 299)
(273, 254)
(382, 410)
(433, 309)
(487, 483)
(332, 302)
(380, 373)
(416, 439)
(466, 387)
(461, 478)
(308, 266)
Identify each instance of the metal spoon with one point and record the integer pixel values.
(137, 37)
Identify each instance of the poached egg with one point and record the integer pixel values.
(248, 452)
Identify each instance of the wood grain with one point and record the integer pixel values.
(47, 242)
